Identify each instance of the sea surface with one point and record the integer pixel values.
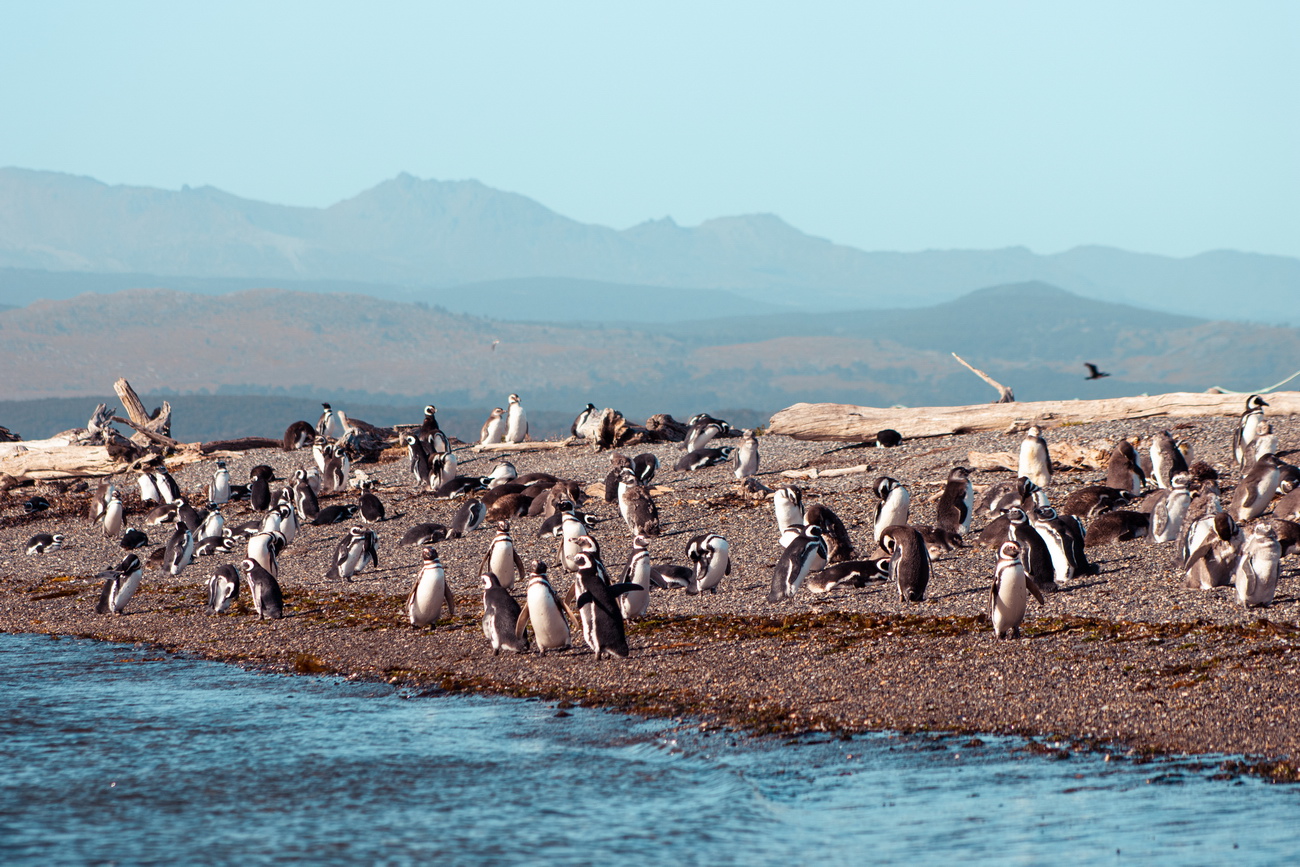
(111, 754)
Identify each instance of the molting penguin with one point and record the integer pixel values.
(1090, 501)
(909, 561)
(997, 498)
(264, 590)
(956, 503)
(223, 589)
(1120, 525)
(1216, 541)
(712, 558)
(1035, 462)
(747, 455)
(99, 502)
(516, 421)
(1166, 459)
(1009, 597)
(1168, 508)
(430, 592)
(1256, 491)
(805, 554)
(838, 544)
(1247, 426)
(1258, 567)
(1123, 472)
(637, 506)
(120, 584)
(501, 559)
(494, 429)
(297, 435)
(544, 611)
(895, 502)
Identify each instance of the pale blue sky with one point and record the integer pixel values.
(1164, 127)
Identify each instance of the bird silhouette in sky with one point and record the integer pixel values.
(1093, 372)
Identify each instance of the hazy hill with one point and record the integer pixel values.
(289, 344)
(411, 235)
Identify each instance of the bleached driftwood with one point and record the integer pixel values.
(1005, 394)
(814, 473)
(69, 462)
(1065, 454)
(841, 422)
(527, 446)
(159, 423)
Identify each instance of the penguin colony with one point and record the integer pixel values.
(546, 586)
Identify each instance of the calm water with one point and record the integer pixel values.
(110, 754)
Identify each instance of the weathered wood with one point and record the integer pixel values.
(527, 446)
(70, 462)
(149, 435)
(1080, 456)
(1004, 393)
(814, 473)
(242, 444)
(160, 422)
(840, 422)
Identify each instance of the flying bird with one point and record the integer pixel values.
(1093, 372)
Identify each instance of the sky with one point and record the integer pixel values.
(1158, 127)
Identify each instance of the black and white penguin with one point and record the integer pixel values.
(704, 429)
(99, 501)
(430, 592)
(443, 470)
(572, 533)
(909, 561)
(711, 556)
(516, 420)
(787, 503)
(1168, 508)
(298, 435)
(44, 543)
(133, 539)
(259, 492)
(148, 488)
(1123, 471)
(468, 518)
(417, 460)
(746, 455)
(638, 570)
(304, 498)
(325, 424)
(597, 604)
(839, 546)
(354, 552)
(1064, 537)
(998, 497)
(213, 523)
(424, 534)
(698, 459)
(805, 554)
(1166, 459)
(501, 617)
(644, 467)
(617, 463)
(577, 429)
(888, 438)
(120, 584)
(1258, 567)
(210, 545)
(370, 506)
(264, 590)
(179, 551)
(1035, 461)
(219, 490)
(957, 503)
(1266, 443)
(113, 516)
(1034, 553)
(223, 589)
(494, 429)
(1010, 594)
(335, 474)
(334, 514)
(1215, 542)
(895, 503)
(1247, 427)
(503, 473)
(168, 489)
(637, 506)
(1257, 490)
(543, 610)
(850, 573)
(502, 559)
(431, 436)
(265, 547)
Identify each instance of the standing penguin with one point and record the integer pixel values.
(1123, 472)
(371, 507)
(747, 455)
(111, 519)
(223, 589)
(264, 590)
(1215, 543)
(895, 502)
(545, 612)
(578, 428)
(1168, 508)
(637, 506)
(179, 551)
(634, 603)
(1034, 553)
(956, 503)
(120, 584)
(805, 554)
(501, 617)
(99, 502)
(1166, 459)
(431, 436)
(1257, 490)
(787, 502)
(219, 490)
(1247, 427)
(149, 489)
(1009, 597)
(712, 558)
(430, 592)
(325, 423)
(1258, 567)
(354, 552)
(839, 546)
(494, 429)
(501, 559)
(909, 561)
(1035, 462)
(602, 619)
(417, 460)
(264, 548)
(516, 421)
(1063, 536)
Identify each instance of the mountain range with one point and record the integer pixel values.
(472, 249)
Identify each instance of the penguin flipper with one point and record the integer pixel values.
(585, 599)
(450, 598)
(619, 589)
(1032, 586)
(103, 606)
(521, 625)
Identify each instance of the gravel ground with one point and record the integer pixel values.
(1127, 659)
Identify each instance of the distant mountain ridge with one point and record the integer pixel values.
(417, 238)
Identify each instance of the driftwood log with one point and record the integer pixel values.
(148, 427)
(69, 462)
(839, 422)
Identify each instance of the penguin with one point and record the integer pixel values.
(494, 429)
(371, 507)
(747, 455)
(1257, 489)
(572, 531)
(1288, 535)
(148, 489)
(997, 498)
(431, 435)
(186, 515)
(501, 617)
(838, 544)
(213, 524)
(44, 543)
(787, 503)
(443, 471)
(223, 589)
(430, 592)
(502, 473)
(320, 452)
(637, 506)
(701, 458)
(516, 420)
(166, 485)
(543, 609)
(133, 539)
(1288, 506)
(676, 577)
(1120, 525)
(704, 430)
(99, 501)
(179, 551)
(888, 438)
(850, 573)
(602, 619)
(1123, 472)
(264, 590)
(313, 478)
(335, 474)
(112, 519)
(417, 461)
(578, 428)
(909, 561)
(259, 492)
(638, 570)
(1034, 552)
(712, 558)
(895, 502)
(468, 518)
(1168, 508)
(334, 514)
(162, 514)
(501, 558)
(325, 422)
(120, 584)
(1009, 596)
(297, 435)
(551, 526)
(263, 547)
(1216, 541)
(424, 534)
(512, 505)
(459, 486)
(1166, 459)
(1258, 566)
(1035, 461)
(1064, 537)
(957, 503)
(806, 554)
(206, 547)
(1090, 501)
(1247, 427)
(617, 463)
(354, 552)
(644, 467)
(304, 498)
(219, 490)
(1266, 443)
(289, 524)
(938, 541)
